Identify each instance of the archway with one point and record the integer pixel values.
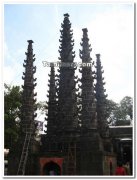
(51, 168)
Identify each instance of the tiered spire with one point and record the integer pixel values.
(67, 100)
(66, 42)
(28, 102)
(101, 98)
(52, 103)
(88, 112)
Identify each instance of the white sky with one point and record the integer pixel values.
(110, 30)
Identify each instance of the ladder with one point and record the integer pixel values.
(24, 154)
(71, 167)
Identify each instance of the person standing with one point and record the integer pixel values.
(127, 168)
(120, 170)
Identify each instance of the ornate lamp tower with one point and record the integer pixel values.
(88, 113)
(52, 104)
(28, 102)
(91, 142)
(101, 99)
(27, 124)
(62, 119)
(67, 99)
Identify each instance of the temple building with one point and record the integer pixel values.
(78, 140)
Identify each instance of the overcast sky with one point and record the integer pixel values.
(110, 30)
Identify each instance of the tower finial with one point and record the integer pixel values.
(51, 64)
(85, 30)
(66, 15)
(30, 41)
(98, 56)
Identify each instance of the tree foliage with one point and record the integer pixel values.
(127, 106)
(42, 106)
(12, 104)
(120, 114)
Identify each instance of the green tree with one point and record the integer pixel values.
(111, 106)
(42, 106)
(127, 106)
(120, 114)
(12, 104)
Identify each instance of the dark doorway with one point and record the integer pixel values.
(127, 153)
(52, 169)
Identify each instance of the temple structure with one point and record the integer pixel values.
(77, 140)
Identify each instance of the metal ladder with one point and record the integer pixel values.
(24, 155)
(71, 168)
